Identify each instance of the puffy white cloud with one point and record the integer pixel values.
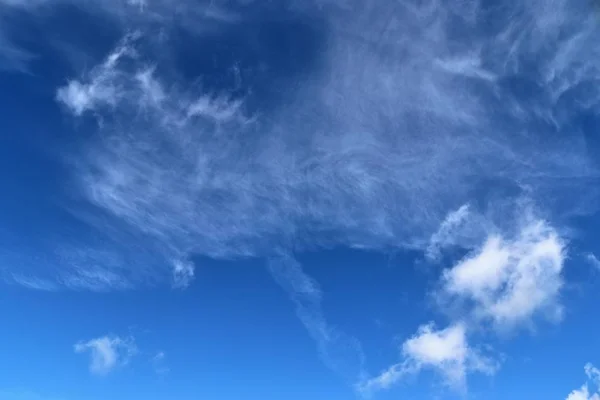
(107, 352)
(446, 351)
(394, 143)
(585, 393)
(13, 57)
(509, 280)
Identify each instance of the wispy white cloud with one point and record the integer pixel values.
(13, 57)
(183, 273)
(446, 351)
(585, 393)
(33, 282)
(342, 353)
(451, 231)
(103, 85)
(373, 187)
(372, 148)
(107, 353)
(509, 281)
(593, 260)
(159, 363)
(592, 373)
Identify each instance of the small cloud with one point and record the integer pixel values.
(445, 351)
(159, 365)
(218, 109)
(107, 353)
(448, 231)
(593, 260)
(103, 86)
(508, 281)
(585, 393)
(150, 87)
(183, 273)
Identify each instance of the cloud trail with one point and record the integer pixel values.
(340, 352)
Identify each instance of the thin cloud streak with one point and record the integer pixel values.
(340, 352)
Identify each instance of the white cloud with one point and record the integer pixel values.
(584, 393)
(340, 352)
(593, 260)
(446, 351)
(505, 281)
(370, 147)
(593, 374)
(393, 145)
(159, 363)
(509, 281)
(183, 273)
(219, 109)
(13, 57)
(450, 231)
(103, 85)
(107, 353)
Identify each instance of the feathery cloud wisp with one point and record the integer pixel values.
(107, 353)
(425, 128)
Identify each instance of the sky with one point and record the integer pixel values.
(299, 199)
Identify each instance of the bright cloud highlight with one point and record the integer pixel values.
(107, 353)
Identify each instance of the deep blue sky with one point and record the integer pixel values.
(299, 200)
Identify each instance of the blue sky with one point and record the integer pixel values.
(292, 199)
